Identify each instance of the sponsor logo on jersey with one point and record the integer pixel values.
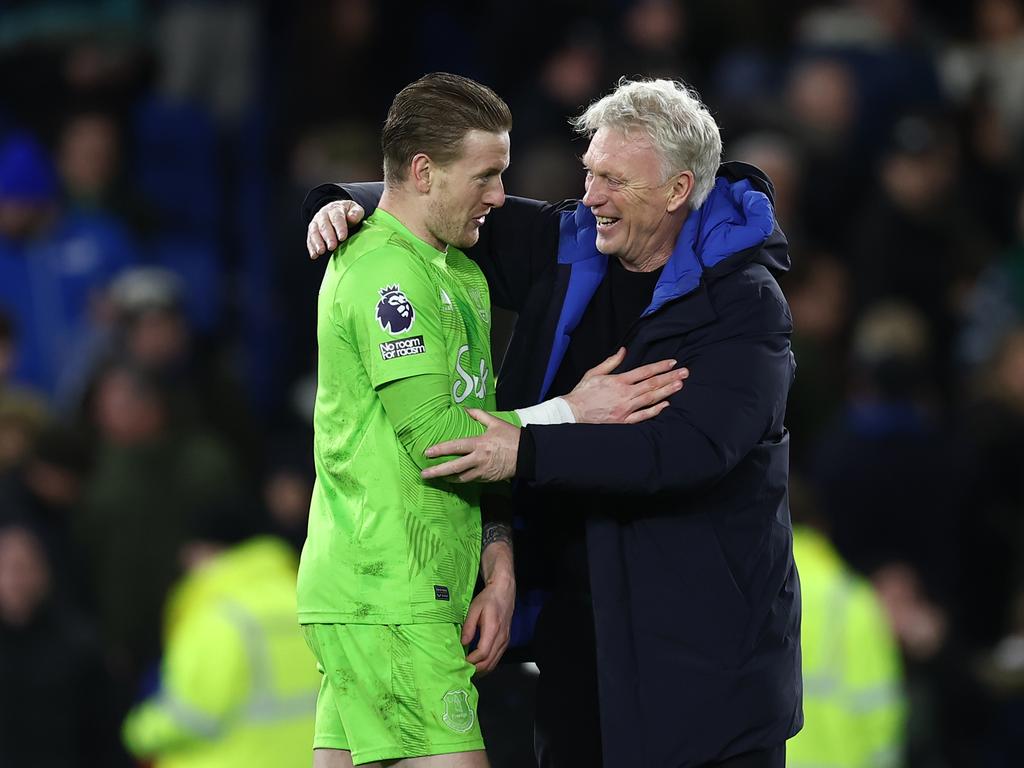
(411, 345)
(468, 383)
(446, 300)
(441, 592)
(458, 714)
(394, 310)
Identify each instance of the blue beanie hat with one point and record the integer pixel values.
(26, 173)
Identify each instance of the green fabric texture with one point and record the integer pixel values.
(384, 546)
(394, 691)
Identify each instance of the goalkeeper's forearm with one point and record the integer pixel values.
(421, 410)
(496, 559)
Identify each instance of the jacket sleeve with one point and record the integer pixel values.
(204, 679)
(366, 193)
(518, 242)
(735, 394)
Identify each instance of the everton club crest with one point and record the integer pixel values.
(394, 311)
(458, 712)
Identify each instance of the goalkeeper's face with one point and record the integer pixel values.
(465, 190)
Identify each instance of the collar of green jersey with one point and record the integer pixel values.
(425, 250)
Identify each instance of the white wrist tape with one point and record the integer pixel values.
(553, 411)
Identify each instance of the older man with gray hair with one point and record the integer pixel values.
(670, 631)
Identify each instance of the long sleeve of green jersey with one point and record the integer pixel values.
(421, 410)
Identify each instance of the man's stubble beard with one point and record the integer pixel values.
(442, 224)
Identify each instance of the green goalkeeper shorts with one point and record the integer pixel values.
(392, 691)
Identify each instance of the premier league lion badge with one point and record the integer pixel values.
(394, 311)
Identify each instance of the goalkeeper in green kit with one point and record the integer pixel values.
(385, 587)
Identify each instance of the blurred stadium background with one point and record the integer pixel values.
(157, 320)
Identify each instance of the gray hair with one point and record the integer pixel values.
(675, 120)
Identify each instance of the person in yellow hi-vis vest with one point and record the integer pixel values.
(854, 708)
(238, 684)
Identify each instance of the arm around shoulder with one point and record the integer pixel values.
(367, 194)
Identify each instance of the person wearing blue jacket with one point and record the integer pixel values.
(55, 262)
(670, 632)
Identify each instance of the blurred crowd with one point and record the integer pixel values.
(157, 311)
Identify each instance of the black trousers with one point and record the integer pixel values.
(567, 723)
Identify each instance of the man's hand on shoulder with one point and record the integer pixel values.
(329, 226)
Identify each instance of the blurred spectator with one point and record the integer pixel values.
(652, 41)
(347, 150)
(350, 150)
(287, 490)
(150, 468)
(64, 49)
(88, 157)
(778, 156)
(990, 168)
(818, 291)
(917, 241)
(992, 542)
(207, 55)
(53, 264)
(948, 711)
(891, 488)
(334, 36)
(150, 331)
(854, 706)
(54, 708)
(238, 686)
(875, 468)
(887, 46)
(995, 304)
(22, 412)
(822, 94)
(89, 160)
(822, 102)
(865, 63)
(994, 60)
(46, 491)
(21, 420)
(570, 75)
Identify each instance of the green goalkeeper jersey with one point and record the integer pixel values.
(384, 546)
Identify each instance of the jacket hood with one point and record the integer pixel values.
(774, 251)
